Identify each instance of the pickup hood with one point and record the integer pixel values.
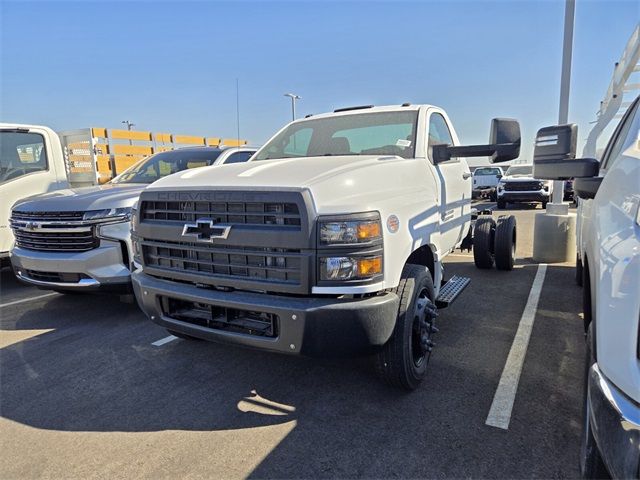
(335, 182)
(83, 199)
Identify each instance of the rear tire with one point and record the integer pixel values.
(402, 361)
(483, 235)
(505, 242)
(591, 463)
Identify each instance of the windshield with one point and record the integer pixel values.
(162, 164)
(487, 171)
(380, 133)
(21, 153)
(520, 170)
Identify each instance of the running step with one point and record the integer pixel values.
(450, 291)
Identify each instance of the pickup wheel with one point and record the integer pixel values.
(483, 235)
(591, 463)
(505, 242)
(402, 361)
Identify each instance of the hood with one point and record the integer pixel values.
(111, 195)
(338, 181)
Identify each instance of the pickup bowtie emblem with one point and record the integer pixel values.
(206, 230)
(31, 226)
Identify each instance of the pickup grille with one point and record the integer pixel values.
(67, 241)
(46, 216)
(254, 213)
(265, 264)
(267, 244)
(523, 186)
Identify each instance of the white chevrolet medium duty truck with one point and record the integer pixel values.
(329, 241)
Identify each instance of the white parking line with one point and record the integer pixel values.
(30, 299)
(502, 406)
(164, 340)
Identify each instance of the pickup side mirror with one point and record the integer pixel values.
(498, 176)
(586, 188)
(504, 144)
(554, 155)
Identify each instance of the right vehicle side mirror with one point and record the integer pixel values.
(554, 155)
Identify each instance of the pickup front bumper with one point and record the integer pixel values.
(616, 425)
(526, 196)
(312, 326)
(99, 269)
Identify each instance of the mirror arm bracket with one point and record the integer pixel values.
(442, 153)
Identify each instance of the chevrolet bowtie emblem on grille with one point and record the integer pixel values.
(206, 230)
(31, 226)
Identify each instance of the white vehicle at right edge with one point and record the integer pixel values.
(609, 211)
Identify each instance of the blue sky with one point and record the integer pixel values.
(173, 66)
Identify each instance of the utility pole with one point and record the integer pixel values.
(129, 126)
(293, 97)
(554, 238)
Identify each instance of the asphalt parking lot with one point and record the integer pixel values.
(91, 388)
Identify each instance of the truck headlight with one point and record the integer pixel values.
(350, 230)
(350, 268)
(108, 214)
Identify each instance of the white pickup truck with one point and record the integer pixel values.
(329, 241)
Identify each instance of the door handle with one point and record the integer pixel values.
(466, 175)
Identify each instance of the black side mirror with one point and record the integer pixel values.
(554, 155)
(504, 144)
(498, 176)
(586, 188)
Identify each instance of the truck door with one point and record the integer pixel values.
(454, 183)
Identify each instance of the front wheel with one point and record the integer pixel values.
(591, 463)
(502, 204)
(544, 205)
(402, 361)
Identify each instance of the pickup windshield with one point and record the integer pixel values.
(152, 168)
(379, 133)
(520, 170)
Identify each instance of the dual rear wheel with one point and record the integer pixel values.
(494, 243)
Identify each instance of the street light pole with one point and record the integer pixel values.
(129, 126)
(293, 97)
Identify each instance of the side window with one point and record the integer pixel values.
(20, 154)
(438, 131)
(619, 137)
(239, 157)
(298, 143)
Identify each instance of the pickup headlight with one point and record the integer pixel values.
(350, 268)
(108, 214)
(350, 231)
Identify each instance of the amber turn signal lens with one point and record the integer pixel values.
(368, 267)
(368, 230)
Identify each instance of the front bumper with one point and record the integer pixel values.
(616, 425)
(532, 196)
(102, 268)
(312, 326)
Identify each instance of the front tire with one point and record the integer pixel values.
(578, 270)
(591, 463)
(502, 204)
(402, 361)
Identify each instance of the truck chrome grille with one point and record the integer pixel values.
(249, 213)
(46, 216)
(67, 241)
(523, 186)
(263, 264)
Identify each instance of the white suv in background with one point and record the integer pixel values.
(609, 213)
